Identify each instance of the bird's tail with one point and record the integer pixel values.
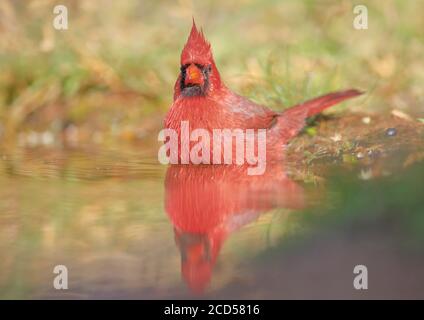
(293, 119)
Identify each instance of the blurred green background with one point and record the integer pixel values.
(109, 77)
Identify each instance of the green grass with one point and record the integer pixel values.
(116, 65)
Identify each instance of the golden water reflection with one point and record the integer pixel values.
(106, 216)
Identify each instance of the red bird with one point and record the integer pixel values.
(201, 98)
(206, 204)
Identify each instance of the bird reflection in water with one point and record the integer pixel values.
(206, 203)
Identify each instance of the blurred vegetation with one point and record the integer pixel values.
(391, 203)
(111, 74)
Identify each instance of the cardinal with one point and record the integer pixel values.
(203, 100)
(206, 204)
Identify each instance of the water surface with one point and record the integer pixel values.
(127, 227)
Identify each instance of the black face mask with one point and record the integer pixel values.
(192, 90)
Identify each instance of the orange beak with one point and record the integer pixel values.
(193, 75)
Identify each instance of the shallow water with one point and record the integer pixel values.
(125, 226)
(128, 227)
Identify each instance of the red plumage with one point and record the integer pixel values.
(220, 108)
(206, 204)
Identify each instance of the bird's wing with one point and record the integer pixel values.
(246, 114)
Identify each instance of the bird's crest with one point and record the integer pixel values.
(197, 49)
